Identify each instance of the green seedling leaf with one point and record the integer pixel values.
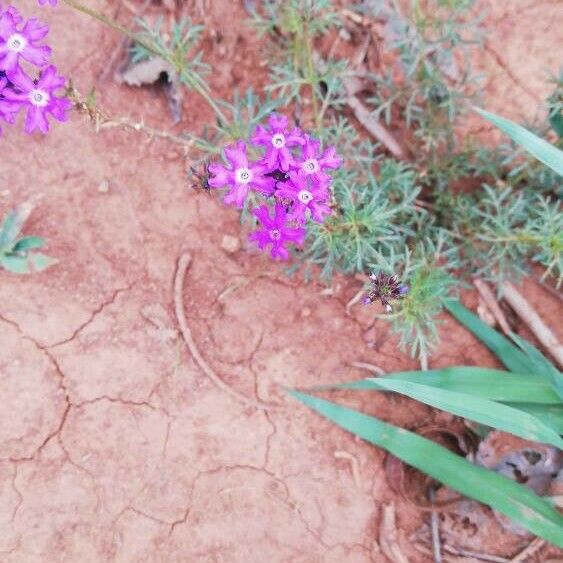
(40, 261)
(15, 264)
(11, 227)
(540, 149)
(28, 243)
(480, 410)
(513, 358)
(515, 501)
(486, 383)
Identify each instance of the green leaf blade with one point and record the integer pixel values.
(513, 358)
(488, 383)
(540, 149)
(478, 409)
(506, 496)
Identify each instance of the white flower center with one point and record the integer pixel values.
(311, 166)
(275, 234)
(39, 98)
(16, 42)
(243, 176)
(305, 196)
(278, 141)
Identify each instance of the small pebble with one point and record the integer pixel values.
(230, 244)
(104, 186)
(306, 312)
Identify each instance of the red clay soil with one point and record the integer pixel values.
(114, 445)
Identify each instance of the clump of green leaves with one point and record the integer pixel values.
(526, 401)
(20, 254)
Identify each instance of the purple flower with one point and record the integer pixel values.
(313, 164)
(385, 287)
(241, 176)
(305, 196)
(39, 98)
(7, 110)
(12, 11)
(278, 140)
(275, 231)
(43, 2)
(22, 43)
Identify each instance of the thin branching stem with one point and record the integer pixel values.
(311, 75)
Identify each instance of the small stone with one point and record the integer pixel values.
(104, 186)
(306, 312)
(230, 244)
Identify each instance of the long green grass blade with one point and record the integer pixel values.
(545, 152)
(480, 410)
(493, 384)
(551, 415)
(506, 496)
(513, 358)
(542, 364)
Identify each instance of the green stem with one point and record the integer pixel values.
(311, 77)
(149, 47)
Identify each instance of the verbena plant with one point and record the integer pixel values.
(526, 401)
(410, 218)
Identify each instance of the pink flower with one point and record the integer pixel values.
(314, 164)
(240, 177)
(39, 98)
(275, 231)
(277, 140)
(306, 196)
(43, 2)
(21, 43)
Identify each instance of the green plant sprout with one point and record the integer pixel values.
(20, 254)
(526, 401)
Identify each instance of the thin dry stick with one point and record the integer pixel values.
(435, 529)
(534, 322)
(459, 552)
(370, 367)
(377, 130)
(388, 536)
(490, 300)
(532, 549)
(340, 454)
(183, 264)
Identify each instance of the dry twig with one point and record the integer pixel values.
(339, 454)
(534, 322)
(370, 367)
(490, 300)
(388, 536)
(532, 549)
(183, 264)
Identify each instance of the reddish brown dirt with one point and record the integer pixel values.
(114, 446)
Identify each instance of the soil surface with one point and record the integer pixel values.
(114, 445)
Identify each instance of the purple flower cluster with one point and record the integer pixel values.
(21, 43)
(293, 172)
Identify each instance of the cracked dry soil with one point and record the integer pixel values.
(114, 446)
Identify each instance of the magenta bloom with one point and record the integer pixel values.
(314, 164)
(277, 140)
(306, 196)
(52, 2)
(275, 231)
(39, 98)
(7, 110)
(241, 176)
(22, 43)
(12, 11)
